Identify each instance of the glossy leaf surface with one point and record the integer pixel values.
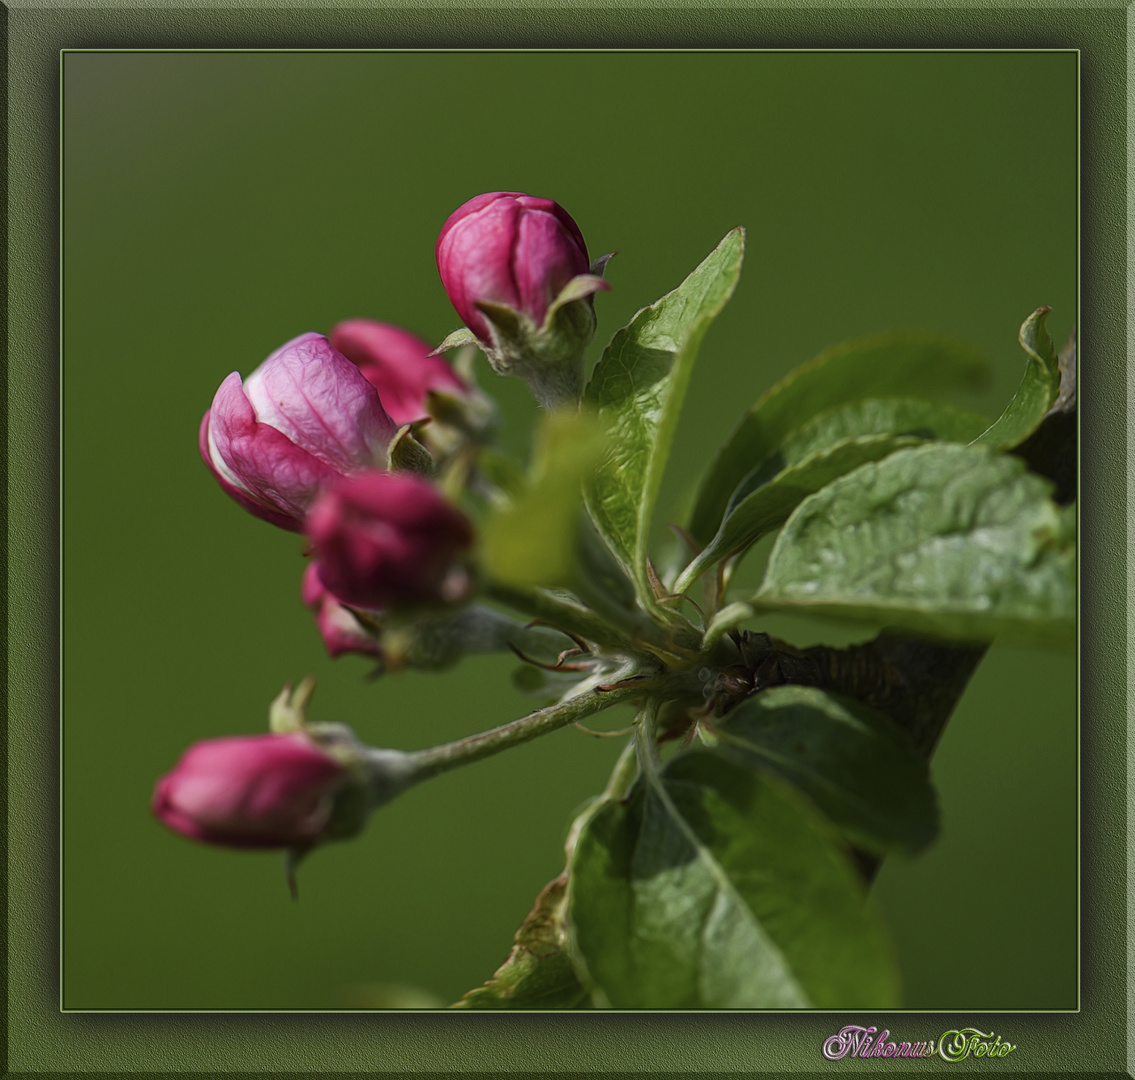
(637, 387)
(949, 540)
(716, 888)
(891, 365)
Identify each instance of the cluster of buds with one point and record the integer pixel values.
(361, 440)
(307, 443)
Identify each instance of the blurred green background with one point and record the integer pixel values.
(217, 204)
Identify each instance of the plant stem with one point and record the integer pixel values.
(686, 579)
(624, 773)
(439, 759)
(645, 740)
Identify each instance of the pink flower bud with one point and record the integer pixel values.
(256, 791)
(384, 539)
(507, 248)
(339, 628)
(303, 417)
(397, 364)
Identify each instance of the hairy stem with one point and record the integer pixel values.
(439, 759)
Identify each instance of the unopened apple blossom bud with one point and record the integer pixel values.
(516, 270)
(382, 540)
(508, 248)
(304, 417)
(399, 365)
(256, 791)
(340, 628)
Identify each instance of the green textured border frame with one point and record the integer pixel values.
(41, 1040)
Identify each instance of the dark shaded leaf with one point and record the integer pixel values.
(854, 763)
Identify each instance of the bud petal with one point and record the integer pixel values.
(398, 365)
(305, 416)
(516, 270)
(507, 248)
(339, 628)
(387, 539)
(259, 791)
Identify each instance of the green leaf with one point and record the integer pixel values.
(533, 539)
(883, 366)
(1037, 392)
(854, 763)
(638, 387)
(913, 417)
(716, 888)
(831, 444)
(949, 540)
(771, 503)
(538, 973)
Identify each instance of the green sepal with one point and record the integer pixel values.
(599, 266)
(579, 288)
(406, 454)
(288, 711)
(508, 323)
(460, 337)
(549, 357)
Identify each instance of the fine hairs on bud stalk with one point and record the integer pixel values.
(515, 268)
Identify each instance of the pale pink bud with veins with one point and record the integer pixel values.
(304, 417)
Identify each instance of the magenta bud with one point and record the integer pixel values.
(515, 268)
(398, 365)
(304, 417)
(256, 791)
(384, 539)
(510, 249)
(339, 628)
